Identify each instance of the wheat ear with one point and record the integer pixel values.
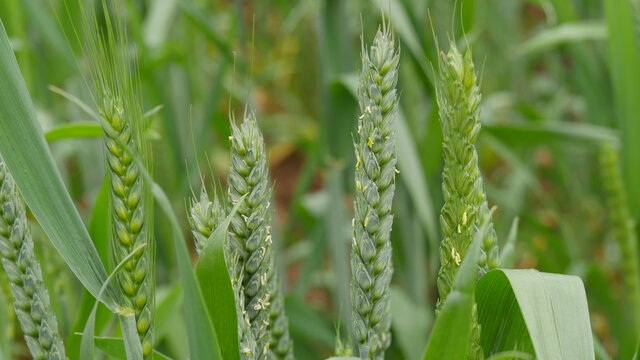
(280, 345)
(623, 226)
(250, 239)
(204, 217)
(116, 95)
(30, 298)
(375, 174)
(465, 205)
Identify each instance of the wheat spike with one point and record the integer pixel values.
(30, 298)
(623, 226)
(375, 185)
(465, 205)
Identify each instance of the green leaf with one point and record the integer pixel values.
(559, 131)
(201, 333)
(625, 74)
(410, 323)
(132, 345)
(213, 275)
(564, 33)
(114, 347)
(74, 130)
(5, 340)
(25, 152)
(87, 345)
(98, 229)
(545, 315)
(452, 331)
(507, 255)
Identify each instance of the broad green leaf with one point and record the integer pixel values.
(74, 130)
(213, 275)
(563, 33)
(452, 331)
(25, 152)
(625, 75)
(545, 315)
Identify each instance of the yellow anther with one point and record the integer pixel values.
(358, 185)
(455, 255)
(459, 229)
(464, 218)
(370, 142)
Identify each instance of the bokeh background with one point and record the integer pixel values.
(558, 76)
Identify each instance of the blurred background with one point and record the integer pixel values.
(558, 76)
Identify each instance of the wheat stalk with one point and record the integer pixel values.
(465, 204)
(116, 96)
(375, 184)
(250, 239)
(623, 226)
(204, 217)
(30, 298)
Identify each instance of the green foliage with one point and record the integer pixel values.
(514, 315)
(30, 298)
(375, 185)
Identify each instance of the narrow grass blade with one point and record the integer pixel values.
(507, 256)
(625, 74)
(73, 130)
(564, 33)
(87, 345)
(545, 315)
(29, 161)
(213, 276)
(132, 345)
(552, 132)
(114, 347)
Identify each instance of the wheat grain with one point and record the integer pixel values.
(375, 185)
(30, 298)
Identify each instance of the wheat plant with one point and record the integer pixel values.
(465, 206)
(30, 298)
(119, 106)
(623, 226)
(204, 217)
(250, 233)
(375, 184)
